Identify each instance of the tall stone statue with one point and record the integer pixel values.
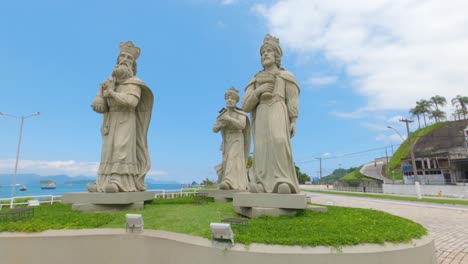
(126, 103)
(235, 128)
(272, 98)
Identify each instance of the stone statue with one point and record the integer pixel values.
(126, 103)
(235, 128)
(272, 98)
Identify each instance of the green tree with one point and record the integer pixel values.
(208, 182)
(461, 103)
(424, 107)
(438, 115)
(416, 111)
(437, 101)
(249, 162)
(301, 177)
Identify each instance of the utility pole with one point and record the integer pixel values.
(386, 154)
(413, 161)
(320, 169)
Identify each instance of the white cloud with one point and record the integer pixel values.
(43, 167)
(55, 167)
(359, 113)
(229, 2)
(321, 80)
(395, 119)
(396, 51)
(221, 25)
(389, 138)
(374, 126)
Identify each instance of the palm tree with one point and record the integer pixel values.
(416, 111)
(425, 108)
(461, 103)
(438, 100)
(438, 115)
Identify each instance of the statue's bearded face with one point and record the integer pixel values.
(123, 69)
(268, 56)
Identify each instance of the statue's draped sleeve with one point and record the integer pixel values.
(250, 100)
(239, 123)
(129, 96)
(292, 94)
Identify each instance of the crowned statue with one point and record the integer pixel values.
(126, 103)
(235, 129)
(272, 99)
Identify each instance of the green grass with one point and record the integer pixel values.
(354, 175)
(338, 227)
(403, 150)
(395, 197)
(57, 216)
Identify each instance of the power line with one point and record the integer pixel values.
(345, 155)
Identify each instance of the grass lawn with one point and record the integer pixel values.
(338, 227)
(395, 197)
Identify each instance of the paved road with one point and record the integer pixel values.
(447, 224)
(374, 170)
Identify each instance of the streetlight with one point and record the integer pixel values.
(402, 138)
(18, 150)
(413, 161)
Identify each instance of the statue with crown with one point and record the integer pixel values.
(234, 126)
(126, 103)
(272, 99)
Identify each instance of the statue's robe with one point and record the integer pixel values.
(125, 157)
(235, 149)
(271, 117)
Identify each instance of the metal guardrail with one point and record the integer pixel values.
(160, 193)
(359, 189)
(41, 198)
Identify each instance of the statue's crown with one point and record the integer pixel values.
(130, 48)
(232, 90)
(273, 42)
(270, 38)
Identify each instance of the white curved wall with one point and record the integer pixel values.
(153, 246)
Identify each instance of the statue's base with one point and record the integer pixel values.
(92, 202)
(220, 195)
(254, 205)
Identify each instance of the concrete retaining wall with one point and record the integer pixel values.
(114, 246)
(453, 191)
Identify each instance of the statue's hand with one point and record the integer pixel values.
(264, 88)
(218, 125)
(107, 86)
(98, 108)
(293, 129)
(99, 104)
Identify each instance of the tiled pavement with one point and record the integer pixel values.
(447, 224)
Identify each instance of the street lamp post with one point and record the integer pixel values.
(17, 151)
(320, 177)
(413, 161)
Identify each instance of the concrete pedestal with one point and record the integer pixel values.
(254, 205)
(220, 195)
(90, 202)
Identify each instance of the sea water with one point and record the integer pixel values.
(35, 189)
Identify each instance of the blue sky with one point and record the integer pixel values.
(360, 66)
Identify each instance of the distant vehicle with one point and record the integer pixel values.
(48, 185)
(23, 188)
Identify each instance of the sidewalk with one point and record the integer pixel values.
(447, 224)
